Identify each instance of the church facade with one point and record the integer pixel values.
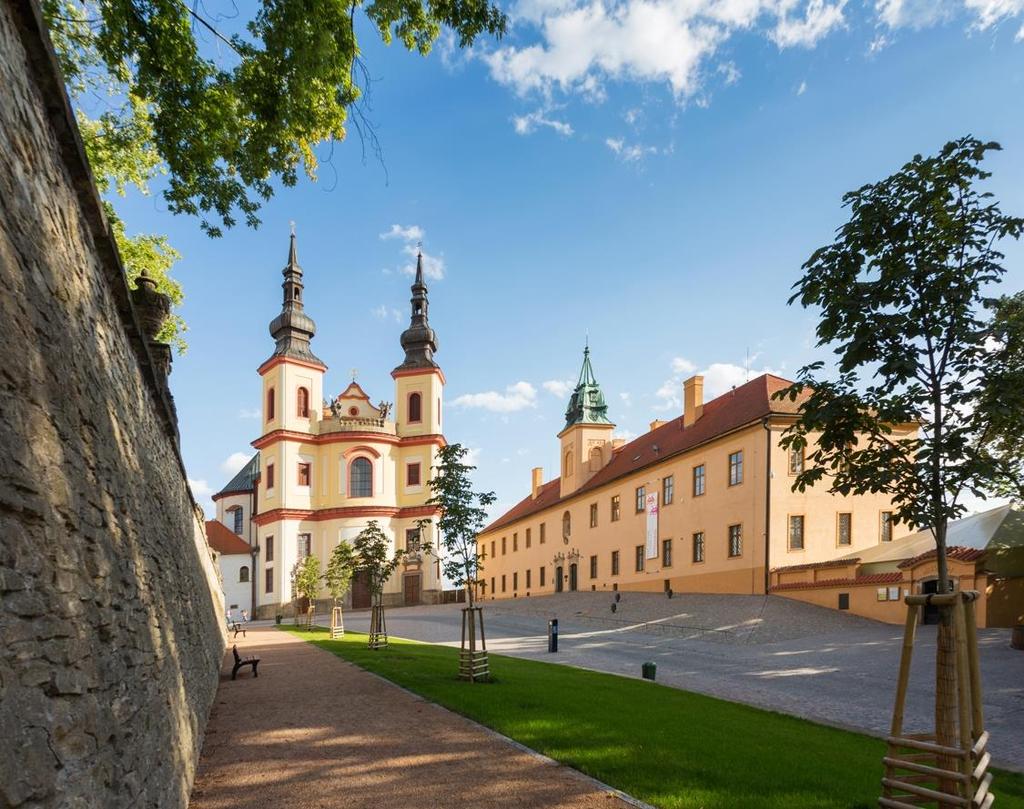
(323, 471)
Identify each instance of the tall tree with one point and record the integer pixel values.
(902, 294)
(340, 567)
(463, 516)
(306, 580)
(159, 90)
(372, 548)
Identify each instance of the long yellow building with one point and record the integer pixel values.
(701, 503)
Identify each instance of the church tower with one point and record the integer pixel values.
(419, 381)
(586, 439)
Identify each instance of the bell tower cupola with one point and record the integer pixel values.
(586, 437)
(293, 329)
(419, 340)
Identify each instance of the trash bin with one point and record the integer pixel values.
(648, 670)
(553, 635)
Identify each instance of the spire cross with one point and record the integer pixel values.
(355, 373)
(292, 223)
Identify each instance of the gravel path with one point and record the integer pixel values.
(315, 732)
(773, 653)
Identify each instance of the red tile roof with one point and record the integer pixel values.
(739, 407)
(849, 560)
(876, 578)
(225, 541)
(957, 552)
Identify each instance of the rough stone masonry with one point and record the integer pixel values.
(111, 632)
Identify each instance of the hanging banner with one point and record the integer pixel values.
(651, 505)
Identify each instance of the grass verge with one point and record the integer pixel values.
(671, 748)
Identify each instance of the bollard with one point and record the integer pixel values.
(613, 606)
(553, 635)
(648, 670)
(617, 597)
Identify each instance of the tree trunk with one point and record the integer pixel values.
(946, 705)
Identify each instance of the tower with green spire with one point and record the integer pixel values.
(587, 435)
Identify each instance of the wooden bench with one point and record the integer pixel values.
(240, 662)
(236, 627)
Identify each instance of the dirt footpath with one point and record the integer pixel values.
(315, 731)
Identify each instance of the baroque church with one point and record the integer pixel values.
(323, 471)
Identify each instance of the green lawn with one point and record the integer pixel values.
(668, 747)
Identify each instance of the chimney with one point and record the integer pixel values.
(618, 442)
(538, 481)
(657, 423)
(693, 400)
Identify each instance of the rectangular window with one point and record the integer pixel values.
(492, 586)
(698, 480)
(735, 468)
(542, 526)
(528, 572)
(615, 563)
(515, 581)
(616, 509)
(639, 559)
(270, 407)
(641, 495)
(844, 528)
(698, 547)
(666, 553)
(268, 580)
(593, 515)
(735, 540)
(504, 545)
(270, 476)
(493, 554)
(885, 528)
(543, 575)
(515, 541)
(304, 545)
(528, 541)
(481, 554)
(668, 490)
(796, 460)
(503, 582)
(268, 553)
(796, 532)
(238, 515)
(412, 540)
(412, 474)
(304, 473)
(593, 567)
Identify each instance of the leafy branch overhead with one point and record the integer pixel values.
(463, 516)
(225, 132)
(925, 402)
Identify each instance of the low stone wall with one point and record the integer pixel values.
(111, 629)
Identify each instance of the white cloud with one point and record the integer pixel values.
(383, 312)
(409, 233)
(1020, 35)
(802, 88)
(234, 462)
(632, 116)
(472, 456)
(578, 46)
(246, 413)
(627, 399)
(719, 377)
(200, 488)
(879, 43)
(681, 365)
(527, 124)
(624, 434)
(558, 387)
(629, 152)
(519, 396)
(919, 14)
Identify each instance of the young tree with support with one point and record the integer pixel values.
(306, 584)
(371, 547)
(463, 516)
(904, 294)
(338, 578)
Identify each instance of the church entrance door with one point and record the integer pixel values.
(572, 577)
(558, 579)
(412, 589)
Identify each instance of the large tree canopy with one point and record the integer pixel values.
(904, 295)
(224, 121)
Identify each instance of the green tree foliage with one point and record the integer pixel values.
(463, 516)
(902, 296)
(340, 567)
(306, 578)
(371, 546)
(224, 129)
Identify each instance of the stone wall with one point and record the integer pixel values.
(111, 629)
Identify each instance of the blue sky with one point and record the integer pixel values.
(650, 172)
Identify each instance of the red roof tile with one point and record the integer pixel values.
(876, 578)
(225, 541)
(739, 407)
(850, 560)
(957, 552)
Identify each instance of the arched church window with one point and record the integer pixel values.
(361, 478)
(568, 464)
(566, 526)
(302, 402)
(243, 574)
(415, 407)
(595, 459)
(270, 404)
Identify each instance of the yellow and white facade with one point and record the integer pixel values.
(326, 470)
